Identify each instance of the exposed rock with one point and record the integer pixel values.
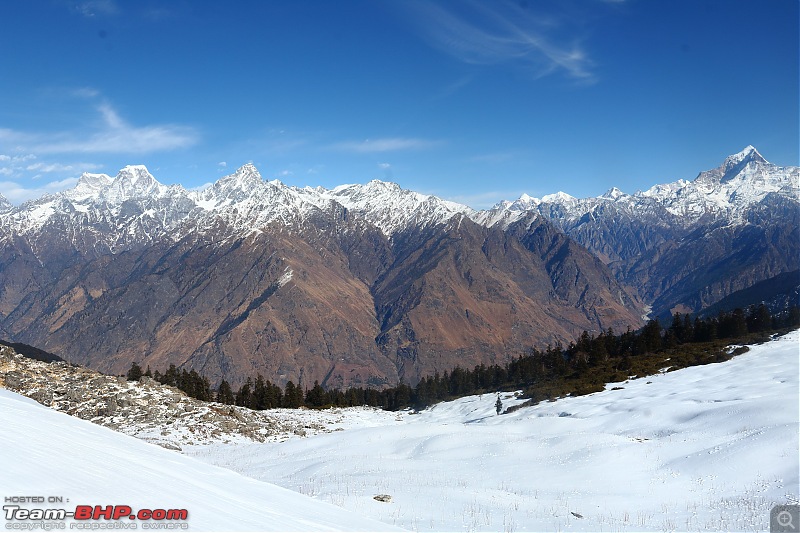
(145, 409)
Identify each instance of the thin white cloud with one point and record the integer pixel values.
(58, 167)
(492, 158)
(93, 8)
(115, 136)
(385, 145)
(16, 193)
(496, 32)
(85, 92)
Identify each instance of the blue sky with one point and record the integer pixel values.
(474, 101)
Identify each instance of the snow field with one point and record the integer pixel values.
(709, 448)
(46, 453)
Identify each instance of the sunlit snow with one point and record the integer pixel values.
(50, 454)
(709, 448)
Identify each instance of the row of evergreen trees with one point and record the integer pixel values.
(583, 366)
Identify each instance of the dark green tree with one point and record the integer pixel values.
(316, 397)
(292, 395)
(244, 396)
(135, 372)
(225, 393)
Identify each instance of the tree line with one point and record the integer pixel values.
(584, 366)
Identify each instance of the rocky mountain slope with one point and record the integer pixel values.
(371, 284)
(687, 244)
(362, 284)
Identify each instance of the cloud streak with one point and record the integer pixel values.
(391, 144)
(115, 136)
(486, 33)
(17, 194)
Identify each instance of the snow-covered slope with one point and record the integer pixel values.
(5, 205)
(50, 454)
(388, 206)
(710, 448)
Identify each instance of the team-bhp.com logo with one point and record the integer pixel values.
(95, 517)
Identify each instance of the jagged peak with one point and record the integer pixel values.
(247, 170)
(134, 173)
(732, 166)
(245, 178)
(93, 182)
(748, 154)
(5, 205)
(613, 194)
(558, 197)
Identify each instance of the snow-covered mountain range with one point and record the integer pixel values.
(724, 193)
(134, 208)
(255, 274)
(247, 202)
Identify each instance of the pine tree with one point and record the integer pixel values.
(135, 372)
(245, 395)
(292, 396)
(259, 399)
(316, 397)
(225, 393)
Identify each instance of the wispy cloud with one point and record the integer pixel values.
(17, 193)
(497, 32)
(93, 8)
(114, 136)
(49, 168)
(391, 144)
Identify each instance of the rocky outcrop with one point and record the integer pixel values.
(151, 411)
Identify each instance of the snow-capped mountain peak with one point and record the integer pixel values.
(742, 180)
(245, 177)
(90, 183)
(133, 181)
(5, 205)
(387, 205)
(559, 197)
(745, 156)
(246, 202)
(613, 194)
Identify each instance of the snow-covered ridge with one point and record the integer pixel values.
(134, 208)
(743, 180)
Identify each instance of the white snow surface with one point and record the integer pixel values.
(708, 448)
(47, 453)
